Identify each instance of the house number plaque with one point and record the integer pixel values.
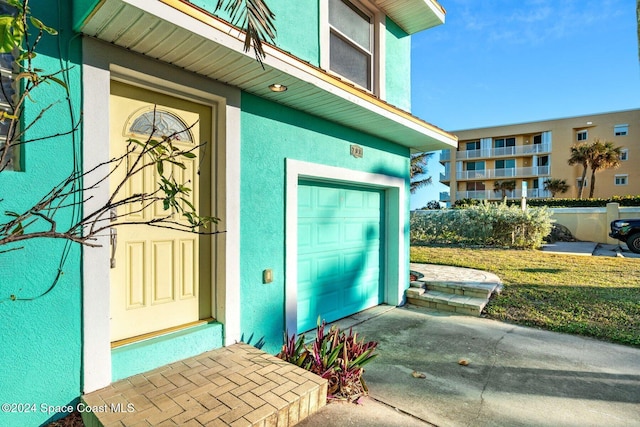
(356, 151)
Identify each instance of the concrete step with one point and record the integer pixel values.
(468, 298)
(470, 289)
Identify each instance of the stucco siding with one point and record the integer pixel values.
(40, 333)
(398, 66)
(271, 134)
(296, 23)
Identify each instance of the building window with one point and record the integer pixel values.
(473, 145)
(506, 164)
(579, 180)
(475, 186)
(582, 135)
(504, 142)
(543, 161)
(621, 179)
(624, 154)
(537, 139)
(620, 130)
(475, 166)
(351, 42)
(7, 93)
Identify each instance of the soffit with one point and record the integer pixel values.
(413, 15)
(176, 32)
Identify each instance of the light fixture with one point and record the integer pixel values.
(589, 123)
(277, 87)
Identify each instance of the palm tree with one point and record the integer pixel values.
(602, 155)
(504, 186)
(579, 155)
(555, 186)
(418, 170)
(257, 21)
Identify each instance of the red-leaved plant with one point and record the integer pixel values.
(337, 356)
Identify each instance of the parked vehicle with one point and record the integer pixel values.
(628, 231)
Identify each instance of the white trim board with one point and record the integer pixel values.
(396, 263)
(102, 63)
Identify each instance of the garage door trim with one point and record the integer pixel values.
(395, 277)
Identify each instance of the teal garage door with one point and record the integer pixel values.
(340, 251)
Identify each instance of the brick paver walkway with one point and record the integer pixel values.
(237, 385)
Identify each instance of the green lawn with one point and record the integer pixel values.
(593, 296)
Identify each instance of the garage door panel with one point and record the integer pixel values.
(326, 234)
(304, 236)
(328, 267)
(339, 252)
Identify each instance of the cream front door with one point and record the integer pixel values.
(160, 278)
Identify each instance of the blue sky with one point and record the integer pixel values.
(499, 62)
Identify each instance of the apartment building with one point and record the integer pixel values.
(530, 153)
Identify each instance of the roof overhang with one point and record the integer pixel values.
(413, 15)
(177, 32)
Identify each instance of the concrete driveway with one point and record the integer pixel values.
(515, 376)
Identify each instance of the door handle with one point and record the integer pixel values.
(113, 240)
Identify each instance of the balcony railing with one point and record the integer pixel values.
(445, 176)
(532, 193)
(502, 173)
(445, 155)
(445, 196)
(518, 150)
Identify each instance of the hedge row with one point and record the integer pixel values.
(582, 203)
(488, 224)
(562, 203)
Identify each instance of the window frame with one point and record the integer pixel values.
(624, 154)
(377, 52)
(474, 163)
(624, 179)
(509, 141)
(586, 182)
(476, 184)
(581, 132)
(504, 164)
(476, 143)
(624, 132)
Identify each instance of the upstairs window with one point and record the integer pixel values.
(475, 166)
(474, 145)
(351, 42)
(624, 154)
(620, 130)
(476, 186)
(621, 179)
(537, 139)
(506, 164)
(504, 142)
(543, 161)
(582, 135)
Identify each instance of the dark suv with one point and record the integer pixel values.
(628, 231)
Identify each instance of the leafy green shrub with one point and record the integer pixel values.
(485, 225)
(337, 356)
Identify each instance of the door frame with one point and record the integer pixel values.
(396, 274)
(102, 63)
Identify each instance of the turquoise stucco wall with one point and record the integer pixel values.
(296, 24)
(270, 134)
(40, 334)
(398, 66)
